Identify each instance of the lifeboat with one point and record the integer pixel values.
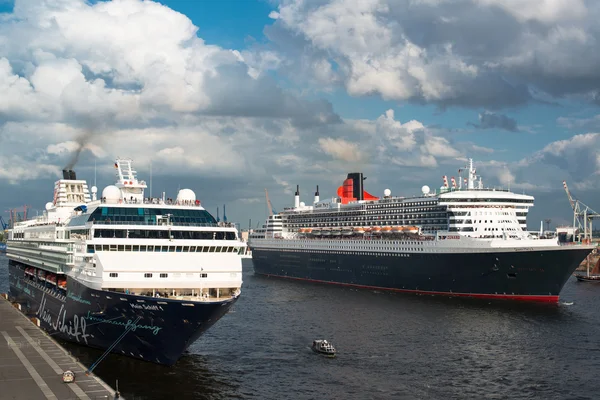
(411, 229)
(316, 231)
(42, 275)
(326, 231)
(386, 229)
(336, 231)
(51, 278)
(368, 229)
(359, 230)
(347, 231)
(397, 229)
(302, 230)
(62, 282)
(376, 229)
(308, 230)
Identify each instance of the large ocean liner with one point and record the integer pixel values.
(143, 277)
(464, 240)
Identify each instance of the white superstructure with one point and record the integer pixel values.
(460, 211)
(125, 242)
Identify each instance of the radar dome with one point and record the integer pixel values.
(425, 189)
(49, 205)
(387, 192)
(302, 204)
(186, 195)
(111, 193)
(94, 189)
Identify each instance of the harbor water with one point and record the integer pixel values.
(390, 346)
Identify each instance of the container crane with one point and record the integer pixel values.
(583, 215)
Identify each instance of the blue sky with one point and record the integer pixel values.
(270, 94)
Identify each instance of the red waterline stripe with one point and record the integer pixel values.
(533, 298)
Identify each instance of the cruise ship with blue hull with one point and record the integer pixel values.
(140, 277)
(464, 240)
(164, 329)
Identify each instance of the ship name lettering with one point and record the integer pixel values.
(75, 328)
(151, 307)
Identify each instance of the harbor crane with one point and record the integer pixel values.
(269, 205)
(3, 223)
(583, 215)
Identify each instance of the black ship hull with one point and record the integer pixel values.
(533, 275)
(164, 329)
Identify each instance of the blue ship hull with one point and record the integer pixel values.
(95, 318)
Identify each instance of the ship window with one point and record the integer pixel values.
(120, 247)
(212, 249)
(135, 248)
(178, 249)
(205, 249)
(186, 249)
(143, 248)
(127, 247)
(147, 275)
(171, 249)
(113, 275)
(164, 249)
(164, 275)
(192, 249)
(203, 275)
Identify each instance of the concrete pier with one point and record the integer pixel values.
(32, 364)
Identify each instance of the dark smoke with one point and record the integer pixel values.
(81, 140)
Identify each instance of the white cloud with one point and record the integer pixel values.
(475, 53)
(341, 149)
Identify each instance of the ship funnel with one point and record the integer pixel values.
(317, 195)
(72, 175)
(357, 189)
(66, 174)
(297, 197)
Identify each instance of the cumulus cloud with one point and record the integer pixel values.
(96, 71)
(474, 53)
(341, 149)
(490, 120)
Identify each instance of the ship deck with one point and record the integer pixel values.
(32, 363)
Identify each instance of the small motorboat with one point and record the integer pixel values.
(322, 346)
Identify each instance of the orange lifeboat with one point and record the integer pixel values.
(376, 229)
(397, 229)
(307, 230)
(368, 229)
(359, 230)
(386, 229)
(301, 230)
(411, 229)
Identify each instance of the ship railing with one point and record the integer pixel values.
(151, 200)
(153, 223)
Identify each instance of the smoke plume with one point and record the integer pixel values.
(81, 140)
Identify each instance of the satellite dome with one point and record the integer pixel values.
(387, 192)
(186, 195)
(302, 204)
(49, 205)
(94, 189)
(425, 189)
(111, 193)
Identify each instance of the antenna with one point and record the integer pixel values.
(150, 178)
(95, 171)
